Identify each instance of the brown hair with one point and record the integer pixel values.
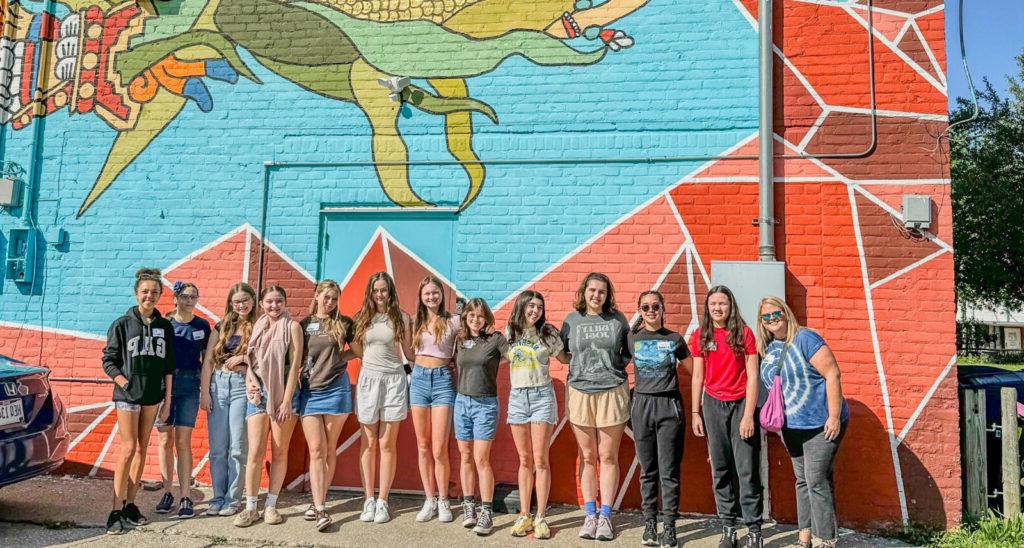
(364, 318)
(475, 305)
(334, 326)
(422, 314)
(149, 274)
(273, 288)
(580, 303)
(639, 317)
(733, 323)
(517, 320)
(233, 322)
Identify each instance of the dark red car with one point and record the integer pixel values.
(33, 423)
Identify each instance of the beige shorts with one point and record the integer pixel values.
(598, 409)
(381, 397)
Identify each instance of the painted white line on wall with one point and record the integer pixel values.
(199, 251)
(892, 211)
(103, 453)
(625, 483)
(92, 425)
(90, 406)
(931, 55)
(926, 399)
(247, 256)
(881, 113)
(561, 424)
(908, 268)
(202, 463)
(893, 444)
(813, 130)
(54, 330)
(898, 52)
(362, 255)
(394, 241)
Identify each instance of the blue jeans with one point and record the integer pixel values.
(227, 437)
(431, 387)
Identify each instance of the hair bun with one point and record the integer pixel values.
(147, 274)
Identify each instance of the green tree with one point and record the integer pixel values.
(987, 170)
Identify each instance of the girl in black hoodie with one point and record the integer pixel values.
(139, 357)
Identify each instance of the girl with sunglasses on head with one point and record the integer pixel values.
(532, 407)
(383, 334)
(191, 335)
(657, 415)
(597, 395)
(724, 386)
(139, 358)
(272, 388)
(480, 350)
(816, 413)
(325, 392)
(222, 395)
(432, 395)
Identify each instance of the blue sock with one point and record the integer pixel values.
(606, 510)
(590, 507)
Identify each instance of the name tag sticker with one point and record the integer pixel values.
(198, 335)
(664, 345)
(158, 332)
(313, 327)
(468, 344)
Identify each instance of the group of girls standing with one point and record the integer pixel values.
(258, 373)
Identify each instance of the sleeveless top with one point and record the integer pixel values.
(444, 348)
(380, 349)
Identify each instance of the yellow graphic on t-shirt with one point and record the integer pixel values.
(524, 355)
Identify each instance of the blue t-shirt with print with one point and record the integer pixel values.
(189, 343)
(803, 388)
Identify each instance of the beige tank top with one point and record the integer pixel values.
(380, 349)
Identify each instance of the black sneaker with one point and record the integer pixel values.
(115, 524)
(132, 515)
(728, 539)
(650, 537)
(165, 504)
(754, 540)
(668, 535)
(185, 509)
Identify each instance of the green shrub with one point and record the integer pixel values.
(991, 532)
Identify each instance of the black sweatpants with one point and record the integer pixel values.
(658, 434)
(735, 463)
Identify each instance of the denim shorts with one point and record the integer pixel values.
(184, 400)
(431, 387)
(251, 409)
(532, 404)
(125, 406)
(476, 418)
(334, 399)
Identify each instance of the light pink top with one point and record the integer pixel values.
(443, 349)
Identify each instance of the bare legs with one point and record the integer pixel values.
(176, 440)
(280, 437)
(133, 428)
(532, 443)
(476, 466)
(379, 436)
(599, 446)
(433, 428)
(322, 432)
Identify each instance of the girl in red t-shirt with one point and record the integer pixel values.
(725, 378)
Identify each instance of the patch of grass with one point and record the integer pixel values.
(991, 531)
(916, 534)
(59, 525)
(1006, 360)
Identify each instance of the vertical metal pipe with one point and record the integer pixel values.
(766, 202)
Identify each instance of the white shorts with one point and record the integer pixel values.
(381, 397)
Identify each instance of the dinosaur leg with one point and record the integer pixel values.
(389, 151)
(154, 117)
(458, 130)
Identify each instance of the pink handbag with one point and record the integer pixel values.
(773, 413)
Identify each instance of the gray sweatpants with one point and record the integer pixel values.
(813, 458)
(735, 463)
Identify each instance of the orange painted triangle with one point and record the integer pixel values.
(408, 270)
(887, 24)
(213, 270)
(354, 290)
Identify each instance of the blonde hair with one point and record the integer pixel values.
(765, 337)
(334, 325)
(420, 325)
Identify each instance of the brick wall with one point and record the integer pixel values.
(190, 188)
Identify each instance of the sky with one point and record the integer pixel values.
(993, 35)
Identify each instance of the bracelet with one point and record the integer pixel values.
(695, 412)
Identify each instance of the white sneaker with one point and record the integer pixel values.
(428, 511)
(382, 515)
(444, 511)
(369, 510)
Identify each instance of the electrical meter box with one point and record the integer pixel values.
(749, 282)
(21, 255)
(917, 211)
(10, 192)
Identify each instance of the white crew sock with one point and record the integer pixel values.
(271, 500)
(250, 503)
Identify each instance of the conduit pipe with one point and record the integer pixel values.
(765, 135)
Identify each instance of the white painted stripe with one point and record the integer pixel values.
(800, 76)
(247, 256)
(897, 182)
(908, 268)
(561, 424)
(202, 463)
(858, 6)
(707, 165)
(753, 180)
(270, 245)
(213, 316)
(92, 425)
(362, 256)
(540, 276)
(930, 10)
(893, 444)
(695, 255)
(387, 255)
(625, 483)
(898, 52)
(54, 330)
(746, 14)
(393, 241)
(664, 274)
(103, 453)
(931, 55)
(209, 246)
(926, 399)
(903, 31)
(891, 113)
(90, 407)
(693, 295)
(813, 130)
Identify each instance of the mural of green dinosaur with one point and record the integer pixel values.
(154, 56)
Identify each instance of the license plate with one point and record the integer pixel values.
(11, 412)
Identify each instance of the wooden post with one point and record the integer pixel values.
(975, 459)
(1011, 458)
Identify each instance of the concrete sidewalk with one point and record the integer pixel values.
(51, 511)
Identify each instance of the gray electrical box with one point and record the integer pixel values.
(10, 192)
(750, 281)
(917, 211)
